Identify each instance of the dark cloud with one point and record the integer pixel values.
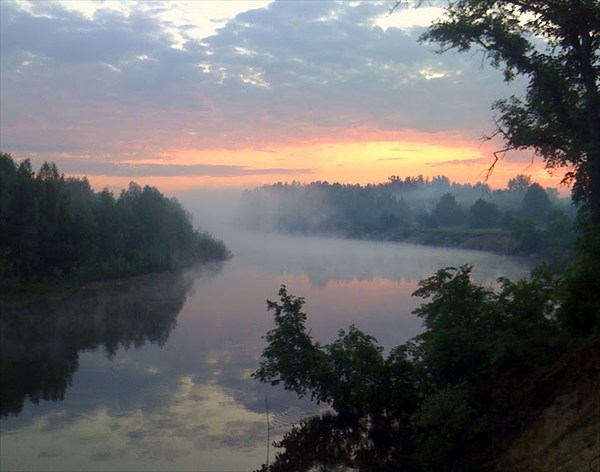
(39, 148)
(292, 71)
(458, 162)
(345, 71)
(62, 37)
(97, 167)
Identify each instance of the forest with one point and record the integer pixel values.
(56, 228)
(490, 359)
(417, 209)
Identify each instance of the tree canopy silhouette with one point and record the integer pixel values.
(553, 44)
(57, 227)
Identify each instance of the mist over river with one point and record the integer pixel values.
(154, 374)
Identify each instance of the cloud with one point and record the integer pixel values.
(40, 148)
(98, 167)
(458, 162)
(118, 83)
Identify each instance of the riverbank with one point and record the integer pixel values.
(16, 290)
(498, 242)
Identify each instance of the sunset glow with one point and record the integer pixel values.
(344, 162)
(240, 94)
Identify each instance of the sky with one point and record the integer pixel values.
(203, 93)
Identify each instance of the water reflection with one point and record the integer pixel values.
(189, 403)
(330, 260)
(199, 427)
(41, 338)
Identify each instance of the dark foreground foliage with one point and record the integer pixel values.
(57, 228)
(445, 400)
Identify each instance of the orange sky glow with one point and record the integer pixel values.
(348, 162)
(183, 95)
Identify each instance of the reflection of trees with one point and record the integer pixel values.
(41, 338)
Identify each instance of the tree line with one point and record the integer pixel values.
(55, 228)
(537, 218)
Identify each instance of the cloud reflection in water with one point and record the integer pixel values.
(187, 403)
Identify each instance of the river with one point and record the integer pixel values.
(154, 373)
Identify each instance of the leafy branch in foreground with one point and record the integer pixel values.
(344, 374)
(554, 47)
(432, 402)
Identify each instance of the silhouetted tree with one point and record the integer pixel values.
(536, 204)
(52, 226)
(484, 214)
(554, 46)
(430, 404)
(519, 183)
(447, 212)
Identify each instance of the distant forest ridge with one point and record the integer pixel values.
(56, 228)
(537, 219)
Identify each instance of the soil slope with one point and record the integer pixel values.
(565, 435)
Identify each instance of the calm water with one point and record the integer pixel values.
(154, 374)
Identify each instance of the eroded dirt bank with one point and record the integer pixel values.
(565, 435)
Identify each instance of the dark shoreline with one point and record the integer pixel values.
(21, 290)
(497, 242)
